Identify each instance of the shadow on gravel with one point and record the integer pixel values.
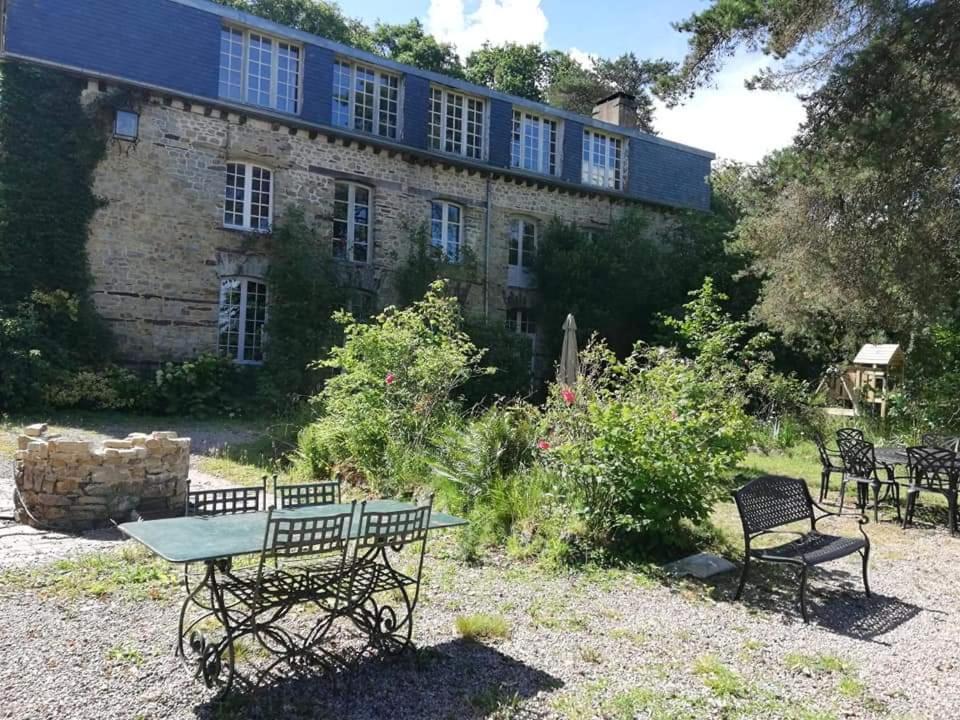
(835, 600)
(457, 679)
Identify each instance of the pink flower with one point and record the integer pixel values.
(390, 378)
(543, 445)
(568, 396)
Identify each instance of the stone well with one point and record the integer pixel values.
(75, 485)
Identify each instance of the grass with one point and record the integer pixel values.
(480, 627)
(721, 680)
(125, 655)
(243, 463)
(817, 665)
(129, 574)
(552, 614)
(494, 703)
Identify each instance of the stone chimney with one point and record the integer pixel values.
(618, 109)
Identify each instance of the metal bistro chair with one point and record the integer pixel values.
(302, 562)
(772, 502)
(294, 496)
(863, 469)
(831, 461)
(225, 501)
(377, 584)
(947, 442)
(936, 470)
(849, 433)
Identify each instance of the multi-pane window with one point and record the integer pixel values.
(534, 143)
(520, 320)
(259, 70)
(446, 229)
(602, 160)
(456, 123)
(523, 243)
(248, 198)
(365, 99)
(351, 222)
(243, 316)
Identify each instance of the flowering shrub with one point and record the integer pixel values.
(391, 398)
(646, 448)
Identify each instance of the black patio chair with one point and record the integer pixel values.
(225, 501)
(947, 442)
(768, 504)
(377, 584)
(935, 470)
(849, 433)
(831, 461)
(863, 469)
(305, 495)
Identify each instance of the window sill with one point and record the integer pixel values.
(246, 230)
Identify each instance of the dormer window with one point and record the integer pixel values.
(260, 70)
(457, 123)
(602, 160)
(534, 144)
(365, 99)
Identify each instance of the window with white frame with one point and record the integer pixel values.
(243, 316)
(602, 160)
(248, 198)
(446, 229)
(365, 99)
(534, 143)
(457, 123)
(522, 322)
(523, 243)
(351, 222)
(260, 70)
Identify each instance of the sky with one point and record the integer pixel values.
(727, 119)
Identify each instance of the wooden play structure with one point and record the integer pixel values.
(864, 386)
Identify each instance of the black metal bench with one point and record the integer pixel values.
(769, 503)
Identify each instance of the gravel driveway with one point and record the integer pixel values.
(600, 645)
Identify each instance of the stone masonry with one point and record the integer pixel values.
(72, 485)
(158, 248)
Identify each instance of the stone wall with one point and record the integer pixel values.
(158, 248)
(73, 485)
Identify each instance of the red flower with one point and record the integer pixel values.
(568, 396)
(543, 445)
(390, 378)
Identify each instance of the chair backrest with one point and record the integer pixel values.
(933, 467)
(288, 537)
(947, 442)
(821, 444)
(848, 433)
(224, 501)
(293, 496)
(394, 528)
(859, 459)
(772, 501)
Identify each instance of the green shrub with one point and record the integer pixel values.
(508, 353)
(110, 388)
(645, 444)
(207, 385)
(483, 627)
(392, 397)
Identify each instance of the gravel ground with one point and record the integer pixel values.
(610, 645)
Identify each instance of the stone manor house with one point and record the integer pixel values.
(236, 119)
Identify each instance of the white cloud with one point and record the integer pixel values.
(731, 121)
(493, 21)
(582, 57)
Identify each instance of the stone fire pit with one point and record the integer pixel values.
(74, 485)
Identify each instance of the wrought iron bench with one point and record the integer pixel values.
(770, 503)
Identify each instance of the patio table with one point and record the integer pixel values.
(217, 540)
(893, 456)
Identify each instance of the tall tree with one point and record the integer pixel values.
(856, 230)
(515, 69)
(317, 17)
(410, 44)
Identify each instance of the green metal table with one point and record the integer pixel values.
(225, 607)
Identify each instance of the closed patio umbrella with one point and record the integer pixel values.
(569, 363)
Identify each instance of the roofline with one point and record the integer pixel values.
(268, 26)
(298, 122)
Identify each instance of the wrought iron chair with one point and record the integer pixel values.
(225, 501)
(293, 496)
(303, 561)
(376, 582)
(936, 470)
(947, 442)
(769, 503)
(831, 461)
(862, 468)
(848, 433)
